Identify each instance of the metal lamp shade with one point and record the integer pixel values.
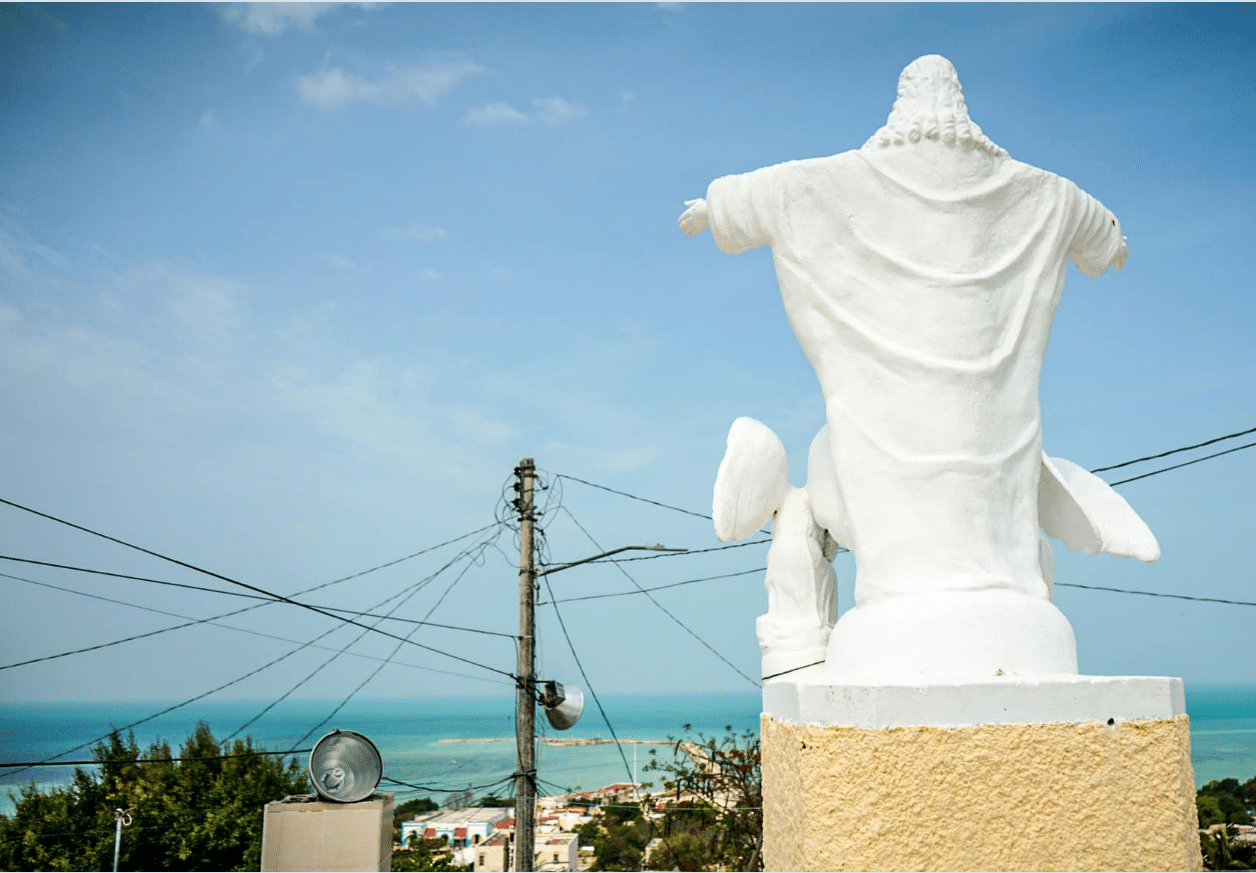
(345, 766)
(563, 704)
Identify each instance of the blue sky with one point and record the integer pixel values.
(287, 291)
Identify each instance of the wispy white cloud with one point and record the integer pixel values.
(206, 308)
(207, 120)
(20, 256)
(554, 110)
(179, 346)
(550, 110)
(334, 88)
(494, 113)
(415, 232)
(272, 19)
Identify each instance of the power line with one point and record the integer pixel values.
(29, 764)
(99, 646)
(1184, 464)
(234, 682)
(655, 587)
(262, 634)
(228, 579)
(585, 676)
(655, 557)
(1156, 594)
(267, 600)
(448, 790)
(409, 592)
(481, 547)
(170, 709)
(212, 619)
(633, 496)
(136, 578)
(662, 608)
(1175, 451)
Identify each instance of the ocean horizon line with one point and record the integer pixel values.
(508, 694)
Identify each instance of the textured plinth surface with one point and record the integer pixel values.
(1056, 796)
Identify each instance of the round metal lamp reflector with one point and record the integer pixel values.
(345, 766)
(565, 711)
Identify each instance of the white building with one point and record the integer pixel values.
(457, 827)
(552, 853)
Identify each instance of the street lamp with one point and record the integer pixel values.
(563, 704)
(650, 548)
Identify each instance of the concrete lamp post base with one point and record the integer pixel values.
(1050, 773)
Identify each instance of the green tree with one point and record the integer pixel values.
(424, 855)
(722, 825)
(1227, 797)
(494, 800)
(618, 837)
(1220, 852)
(204, 813)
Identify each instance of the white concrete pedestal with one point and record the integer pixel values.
(1019, 773)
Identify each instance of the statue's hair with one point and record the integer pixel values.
(930, 105)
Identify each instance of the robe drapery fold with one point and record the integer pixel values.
(926, 315)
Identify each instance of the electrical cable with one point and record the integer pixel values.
(585, 676)
(1185, 464)
(1175, 451)
(633, 496)
(52, 759)
(448, 790)
(687, 552)
(1156, 594)
(268, 600)
(660, 606)
(29, 764)
(209, 620)
(228, 579)
(169, 709)
(654, 587)
(408, 593)
(265, 635)
(137, 578)
(479, 551)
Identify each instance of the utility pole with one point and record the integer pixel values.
(525, 715)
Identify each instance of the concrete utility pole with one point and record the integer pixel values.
(525, 715)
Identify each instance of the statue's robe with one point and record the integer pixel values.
(926, 315)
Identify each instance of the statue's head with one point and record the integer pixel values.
(930, 105)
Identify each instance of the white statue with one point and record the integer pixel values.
(920, 274)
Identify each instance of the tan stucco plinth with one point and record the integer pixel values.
(1062, 796)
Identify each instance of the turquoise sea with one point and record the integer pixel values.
(413, 734)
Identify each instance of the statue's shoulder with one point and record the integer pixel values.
(808, 170)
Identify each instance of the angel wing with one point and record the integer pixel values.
(752, 481)
(1082, 511)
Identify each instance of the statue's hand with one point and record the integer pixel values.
(694, 219)
(1122, 253)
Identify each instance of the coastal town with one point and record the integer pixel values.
(483, 837)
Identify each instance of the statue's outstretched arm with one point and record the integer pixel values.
(694, 219)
